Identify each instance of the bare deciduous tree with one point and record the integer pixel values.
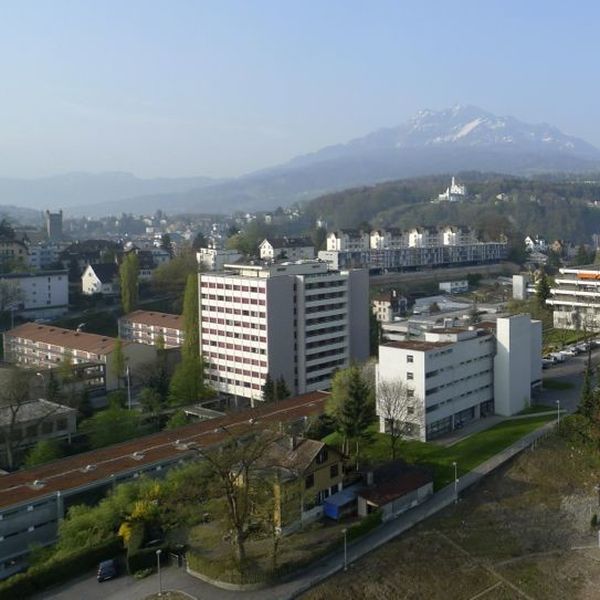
(399, 408)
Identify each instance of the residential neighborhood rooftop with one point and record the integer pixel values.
(157, 319)
(417, 345)
(83, 469)
(67, 338)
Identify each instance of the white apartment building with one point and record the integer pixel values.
(213, 259)
(147, 327)
(33, 345)
(394, 249)
(289, 249)
(44, 294)
(299, 321)
(575, 298)
(454, 375)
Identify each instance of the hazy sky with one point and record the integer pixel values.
(222, 87)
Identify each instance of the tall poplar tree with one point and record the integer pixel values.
(191, 326)
(129, 274)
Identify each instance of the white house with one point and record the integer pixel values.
(286, 249)
(101, 278)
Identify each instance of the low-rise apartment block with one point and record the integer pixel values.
(394, 249)
(148, 327)
(300, 321)
(33, 501)
(447, 377)
(33, 345)
(575, 298)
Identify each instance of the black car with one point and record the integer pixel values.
(107, 569)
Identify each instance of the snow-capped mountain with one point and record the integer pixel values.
(461, 127)
(462, 138)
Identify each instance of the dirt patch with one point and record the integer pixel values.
(524, 532)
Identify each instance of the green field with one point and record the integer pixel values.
(468, 453)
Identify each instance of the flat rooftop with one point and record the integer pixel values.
(71, 473)
(419, 345)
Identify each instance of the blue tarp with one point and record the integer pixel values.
(332, 506)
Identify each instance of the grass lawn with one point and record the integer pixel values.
(557, 384)
(468, 453)
(557, 338)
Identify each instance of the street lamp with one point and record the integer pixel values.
(455, 481)
(558, 414)
(158, 553)
(345, 532)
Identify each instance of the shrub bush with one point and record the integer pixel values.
(367, 523)
(57, 569)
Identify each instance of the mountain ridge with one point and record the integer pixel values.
(460, 138)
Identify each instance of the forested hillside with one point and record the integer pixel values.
(554, 209)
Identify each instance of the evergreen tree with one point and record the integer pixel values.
(358, 411)
(281, 389)
(199, 241)
(129, 274)
(53, 393)
(191, 326)
(118, 362)
(351, 406)
(269, 389)
(166, 244)
(542, 290)
(587, 400)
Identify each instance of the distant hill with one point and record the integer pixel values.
(457, 139)
(462, 138)
(546, 206)
(87, 189)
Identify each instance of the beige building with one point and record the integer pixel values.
(14, 252)
(34, 345)
(147, 327)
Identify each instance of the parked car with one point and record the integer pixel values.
(107, 569)
(547, 362)
(569, 352)
(558, 356)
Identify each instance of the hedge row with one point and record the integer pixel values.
(58, 569)
(139, 558)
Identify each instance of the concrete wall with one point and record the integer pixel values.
(280, 330)
(512, 364)
(359, 314)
